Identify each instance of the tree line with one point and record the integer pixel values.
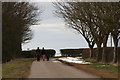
(17, 17)
(84, 53)
(71, 52)
(95, 21)
(32, 53)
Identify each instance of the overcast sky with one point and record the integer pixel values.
(52, 32)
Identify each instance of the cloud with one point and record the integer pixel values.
(55, 25)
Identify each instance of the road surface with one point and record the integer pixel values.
(56, 69)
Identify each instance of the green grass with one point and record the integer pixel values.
(0, 70)
(110, 68)
(18, 68)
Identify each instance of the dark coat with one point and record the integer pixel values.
(43, 52)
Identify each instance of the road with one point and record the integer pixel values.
(56, 69)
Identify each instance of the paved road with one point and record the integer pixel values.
(56, 69)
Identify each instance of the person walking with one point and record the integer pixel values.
(47, 56)
(43, 52)
(38, 54)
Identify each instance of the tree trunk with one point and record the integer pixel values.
(91, 53)
(115, 54)
(115, 57)
(118, 51)
(104, 54)
(99, 51)
(91, 49)
(18, 54)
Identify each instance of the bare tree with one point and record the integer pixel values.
(16, 19)
(115, 25)
(74, 18)
(94, 20)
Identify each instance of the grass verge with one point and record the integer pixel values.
(18, 68)
(104, 71)
(0, 70)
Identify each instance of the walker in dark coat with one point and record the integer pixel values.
(47, 56)
(38, 54)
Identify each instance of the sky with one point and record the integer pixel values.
(52, 33)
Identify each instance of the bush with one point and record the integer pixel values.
(32, 53)
(71, 52)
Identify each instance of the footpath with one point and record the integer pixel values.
(56, 69)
